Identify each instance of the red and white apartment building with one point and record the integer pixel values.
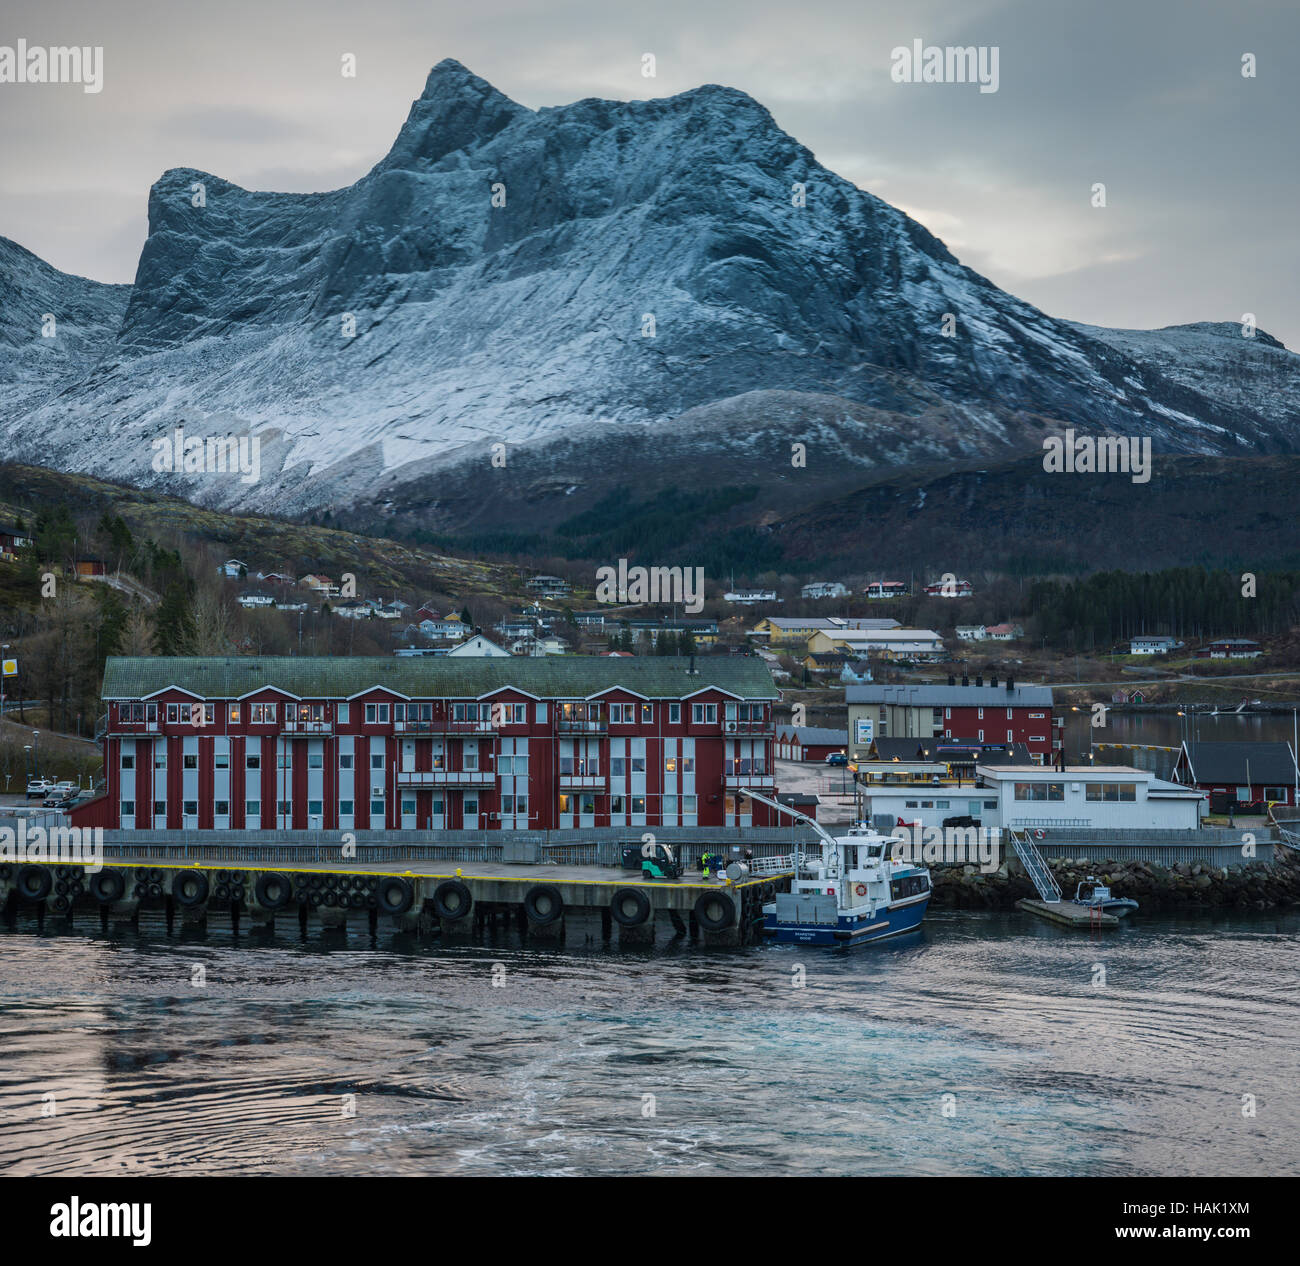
(433, 744)
(977, 712)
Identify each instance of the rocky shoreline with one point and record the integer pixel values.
(1257, 886)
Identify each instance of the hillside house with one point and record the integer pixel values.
(886, 589)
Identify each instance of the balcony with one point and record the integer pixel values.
(445, 726)
(126, 729)
(582, 725)
(734, 781)
(446, 778)
(582, 782)
(747, 727)
(296, 726)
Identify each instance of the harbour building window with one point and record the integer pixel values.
(1112, 791)
(1040, 791)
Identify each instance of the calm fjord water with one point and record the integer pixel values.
(547, 1072)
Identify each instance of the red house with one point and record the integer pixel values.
(982, 712)
(952, 589)
(304, 743)
(809, 742)
(1240, 774)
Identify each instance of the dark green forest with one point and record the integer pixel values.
(1096, 611)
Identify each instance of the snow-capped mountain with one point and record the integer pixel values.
(671, 288)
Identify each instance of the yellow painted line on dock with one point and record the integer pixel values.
(107, 864)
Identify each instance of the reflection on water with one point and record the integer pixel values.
(550, 1071)
(1159, 735)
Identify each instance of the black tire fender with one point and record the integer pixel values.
(715, 911)
(395, 895)
(190, 888)
(273, 891)
(108, 886)
(543, 904)
(35, 882)
(630, 907)
(451, 900)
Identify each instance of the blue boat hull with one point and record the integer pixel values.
(849, 929)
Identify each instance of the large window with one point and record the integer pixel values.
(1113, 791)
(1040, 791)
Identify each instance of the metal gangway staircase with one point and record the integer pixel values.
(1036, 866)
(1288, 834)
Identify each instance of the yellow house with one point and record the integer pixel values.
(781, 629)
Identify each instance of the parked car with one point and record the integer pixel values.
(837, 758)
(39, 787)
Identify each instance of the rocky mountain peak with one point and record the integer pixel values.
(457, 109)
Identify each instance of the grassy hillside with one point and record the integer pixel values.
(263, 543)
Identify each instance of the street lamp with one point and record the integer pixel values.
(27, 761)
(36, 753)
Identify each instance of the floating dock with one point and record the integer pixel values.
(1067, 914)
(429, 897)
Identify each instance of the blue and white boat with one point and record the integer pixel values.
(853, 891)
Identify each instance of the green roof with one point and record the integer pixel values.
(443, 677)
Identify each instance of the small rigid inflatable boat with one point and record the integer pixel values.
(1097, 896)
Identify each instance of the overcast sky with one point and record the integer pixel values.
(1201, 165)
